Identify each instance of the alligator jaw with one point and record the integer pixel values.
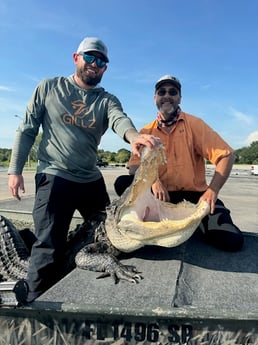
(138, 218)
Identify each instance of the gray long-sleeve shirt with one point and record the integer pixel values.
(73, 121)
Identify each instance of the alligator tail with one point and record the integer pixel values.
(14, 255)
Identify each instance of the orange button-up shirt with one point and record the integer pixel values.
(187, 145)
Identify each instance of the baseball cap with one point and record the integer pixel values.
(93, 44)
(168, 79)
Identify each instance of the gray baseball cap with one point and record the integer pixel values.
(168, 79)
(93, 44)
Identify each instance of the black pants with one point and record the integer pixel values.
(218, 228)
(55, 203)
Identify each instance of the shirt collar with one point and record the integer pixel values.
(170, 121)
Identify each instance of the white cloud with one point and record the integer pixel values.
(5, 88)
(242, 117)
(252, 137)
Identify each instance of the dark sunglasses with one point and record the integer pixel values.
(171, 92)
(91, 58)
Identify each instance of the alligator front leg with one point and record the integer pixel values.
(108, 264)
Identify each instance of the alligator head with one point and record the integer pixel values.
(138, 218)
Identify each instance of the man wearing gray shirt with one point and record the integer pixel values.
(74, 112)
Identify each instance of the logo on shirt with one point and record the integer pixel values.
(80, 117)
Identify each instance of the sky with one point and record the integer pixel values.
(211, 46)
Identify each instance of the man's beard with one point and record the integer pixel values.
(168, 112)
(87, 80)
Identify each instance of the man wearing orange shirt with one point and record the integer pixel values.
(189, 141)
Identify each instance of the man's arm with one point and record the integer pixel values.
(222, 171)
(20, 152)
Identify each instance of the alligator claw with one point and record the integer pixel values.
(109, 265)
(125, 272)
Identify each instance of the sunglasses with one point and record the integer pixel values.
(171, 92)
(91, 58)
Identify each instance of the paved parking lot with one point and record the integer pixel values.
(240, 194)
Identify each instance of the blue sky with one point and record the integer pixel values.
(210, 45)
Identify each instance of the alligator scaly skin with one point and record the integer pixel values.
(101, 256)
(14, 255)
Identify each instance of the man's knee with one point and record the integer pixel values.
(123, 182)
(220, 231)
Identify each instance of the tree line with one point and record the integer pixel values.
(244, 155)
(120, 157)
(247, 155)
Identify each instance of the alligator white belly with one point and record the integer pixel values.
(138, 218)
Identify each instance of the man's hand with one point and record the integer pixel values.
(210, 196)
(222, 171)
(138, 140)
(16, 183)
(159, 191)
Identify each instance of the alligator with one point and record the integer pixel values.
(134, 220)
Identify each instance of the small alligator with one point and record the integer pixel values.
(135, 220)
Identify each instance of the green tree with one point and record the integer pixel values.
(5, 155)
(247, 155)
(106, 156)
(123, 156)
